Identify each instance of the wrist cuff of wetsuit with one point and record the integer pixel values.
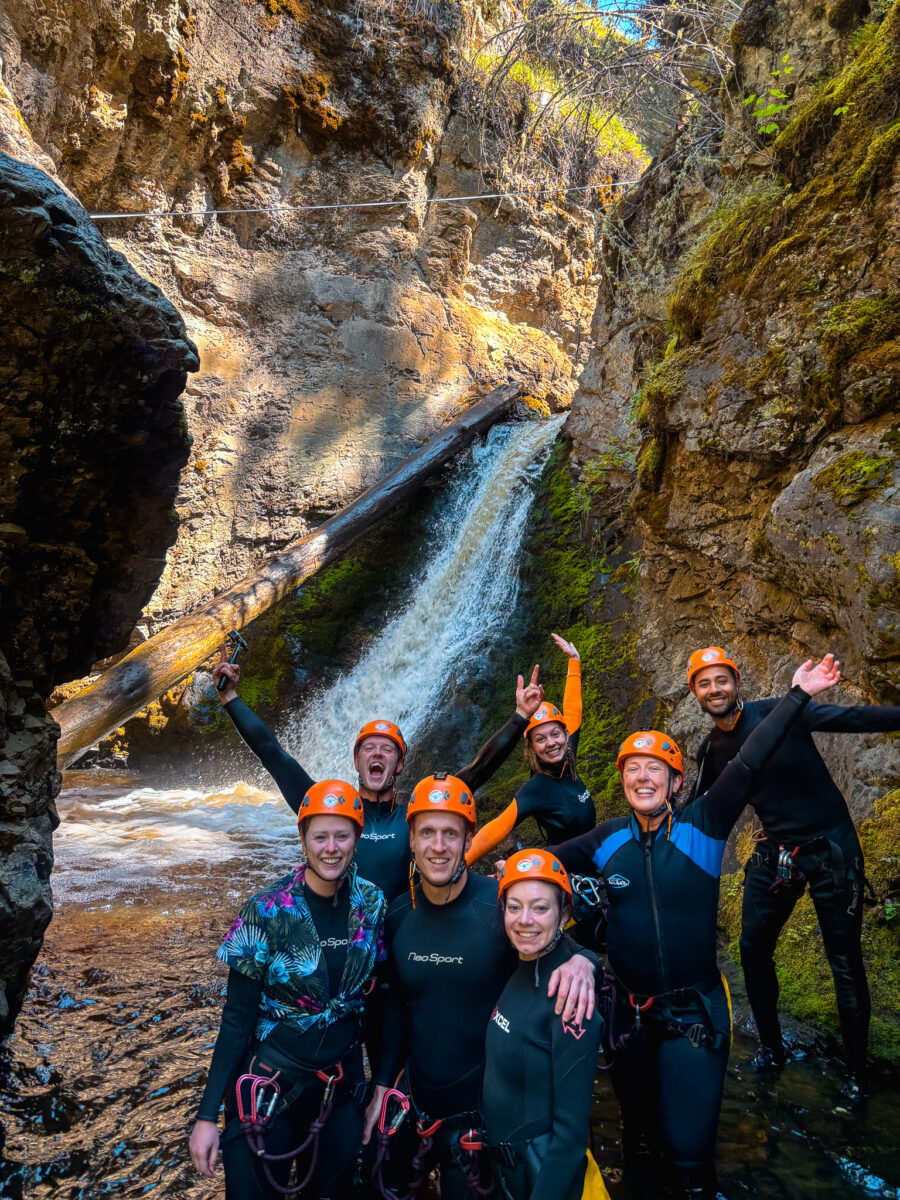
(798, 693)
(574, 667)
(517, 716)
(204, 1115)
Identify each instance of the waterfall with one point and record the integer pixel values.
(468, 590)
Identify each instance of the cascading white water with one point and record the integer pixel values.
(114, 841)
(465, 598)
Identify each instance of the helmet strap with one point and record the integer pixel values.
(734, 715)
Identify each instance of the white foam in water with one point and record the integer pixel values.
(110, 845)
(117, 844)
(465, 597)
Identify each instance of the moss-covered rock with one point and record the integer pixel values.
(853, 475)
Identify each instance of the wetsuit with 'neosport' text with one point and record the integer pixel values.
(538, 1082)
(382, 854)
(663, 891)
(802, 811)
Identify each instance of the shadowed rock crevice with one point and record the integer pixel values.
(92, 440)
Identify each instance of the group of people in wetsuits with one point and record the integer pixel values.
(480, 1016)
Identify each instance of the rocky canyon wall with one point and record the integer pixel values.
(746, 364)
(736, 429)
(331, 342)
(92, 441)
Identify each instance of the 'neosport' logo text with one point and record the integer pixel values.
(378, 837)
(332, 942)
(434, 957)
(499, 1020)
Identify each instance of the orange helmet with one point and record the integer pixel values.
(544, 715)
(656, 745)
(534, 864)
(331, 798)
(442, 793)
(385, 729)
(708, 656)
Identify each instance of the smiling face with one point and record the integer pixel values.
(329, 843)
(716, 690)
(647, 783)
(439, 842)
(532, 916)
(377, 759)
(549, 742)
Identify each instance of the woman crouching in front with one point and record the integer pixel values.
(287, 1059)
(539, 1071)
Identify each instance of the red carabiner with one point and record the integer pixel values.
(471, 1141)
(430, 1131)
(391, 1127)
(330, 1081)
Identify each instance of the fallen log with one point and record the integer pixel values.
(173, 653)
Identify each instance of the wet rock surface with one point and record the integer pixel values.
(93, 439)
(332, 342)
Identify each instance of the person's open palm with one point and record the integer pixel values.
(818, 678)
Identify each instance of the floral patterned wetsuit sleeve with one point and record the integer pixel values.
(246, 945)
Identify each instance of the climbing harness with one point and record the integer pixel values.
(469, 1146)
(700, 1033)
(258, 1097)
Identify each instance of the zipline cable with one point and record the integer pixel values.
(287, 208)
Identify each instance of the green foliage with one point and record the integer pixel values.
(852, 476)
(807, 989)
(768, 104)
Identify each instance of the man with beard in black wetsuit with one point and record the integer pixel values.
(383, 853)
(448, 959)
(808, 837)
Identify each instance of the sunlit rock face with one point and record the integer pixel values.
(332, 342)
(92, 441)
(743, 387)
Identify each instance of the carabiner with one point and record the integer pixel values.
(471, 1141)
(391, 1127)
(430, 1131)
(330, 1081)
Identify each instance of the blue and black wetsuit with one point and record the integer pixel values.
(663, 891)
(383, 853)
(538, 1083)
(802, 812)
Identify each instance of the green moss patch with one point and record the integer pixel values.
(852, 476)
(861, 325)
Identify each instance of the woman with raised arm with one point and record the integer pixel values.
(288, 1060)
(669, 1019)
(555, 796)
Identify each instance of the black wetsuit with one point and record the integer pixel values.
(446, 966)
(383, 853)
(802, 810)
(538, 1082)
(561, 804)
(297, 1055)
(663, 893)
